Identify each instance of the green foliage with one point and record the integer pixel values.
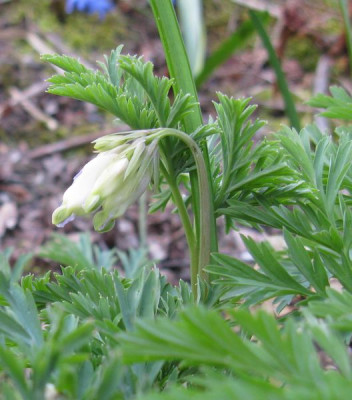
(336, 308)
(276, 277)
(338, 106)
(64, 329)
(250, 175)
(316, 225)
(81, 255)
(14, 272)
(126, 87)
(322, 169)
(236, 134)
(22, 321)
(257, 349)
(92, 332)
(226, 388)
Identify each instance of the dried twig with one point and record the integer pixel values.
(41, 47)
(23, 97)
(52, 44)
(26, 94)
(321, 85)
(18, 97)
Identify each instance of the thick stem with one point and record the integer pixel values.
(204, 240)
(191, 240)
(178, 65)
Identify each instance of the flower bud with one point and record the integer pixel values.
(111, 182)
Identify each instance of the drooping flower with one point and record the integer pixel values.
(102, 7)
(111, 182)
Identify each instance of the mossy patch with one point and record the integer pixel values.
(78, 30)
(304, 50)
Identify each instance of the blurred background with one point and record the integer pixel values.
(45, 140)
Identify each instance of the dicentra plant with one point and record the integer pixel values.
(91, 332)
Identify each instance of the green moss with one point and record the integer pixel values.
(305, 51)
(80, 31)
(87, 33)
(217, 14)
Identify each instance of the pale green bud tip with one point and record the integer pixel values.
(110, 142)
(102, 222)
(115, 140)
(92, 203)
(61, 216)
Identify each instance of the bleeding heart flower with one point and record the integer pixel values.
(111, 182)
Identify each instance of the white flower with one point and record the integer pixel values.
(109, 183)
(50, 392)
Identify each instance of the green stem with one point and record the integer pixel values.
(204, 239)
(176, 57)
(187, 226)
(179, 69)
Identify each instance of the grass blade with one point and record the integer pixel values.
(229, 46)
(275, 63)
(346, 21)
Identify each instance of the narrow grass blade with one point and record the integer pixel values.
(275, 63)
(228, 47)
(348, 29)
(176, 56)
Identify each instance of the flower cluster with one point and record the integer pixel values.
(102, 7)
(111, 182)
